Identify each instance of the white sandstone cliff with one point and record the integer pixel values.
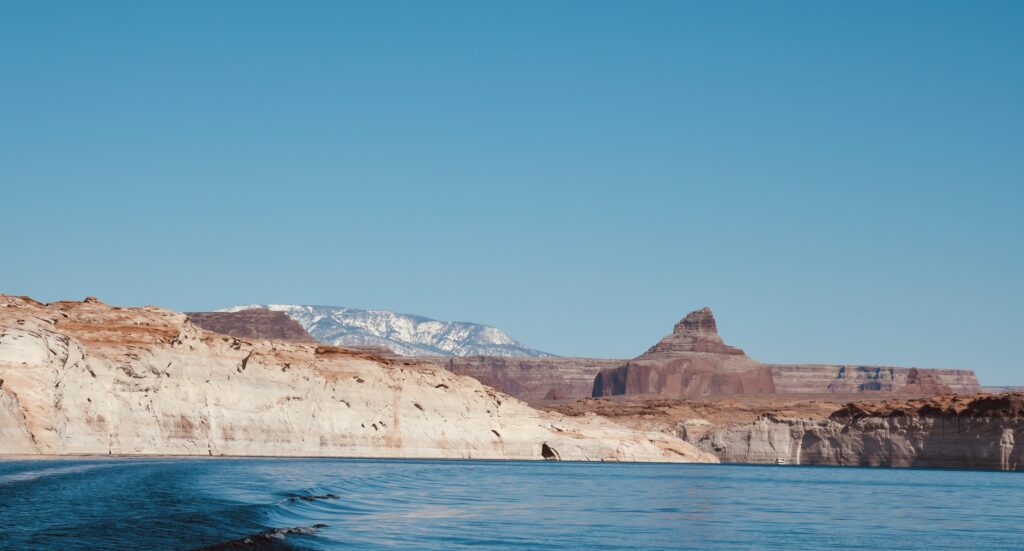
(87, 378)
(974, 432)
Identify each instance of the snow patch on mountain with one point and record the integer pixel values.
(405, 334)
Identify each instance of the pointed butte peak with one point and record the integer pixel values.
(700, 321)
(697, 332)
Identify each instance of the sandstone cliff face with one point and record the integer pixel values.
(693, 361)
(982, 432)
(848, 379)
(87, 378)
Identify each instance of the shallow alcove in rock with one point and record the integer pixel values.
(548, 453)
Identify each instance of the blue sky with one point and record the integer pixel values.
(840, 182)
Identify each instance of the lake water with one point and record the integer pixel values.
(388, 504)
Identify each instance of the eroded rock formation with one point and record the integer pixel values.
(976, 432)
(87, 378)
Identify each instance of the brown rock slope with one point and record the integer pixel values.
(531, 379)
(694, 361)
(254, 323)
(87, 378)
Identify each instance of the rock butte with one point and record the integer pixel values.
(88, 378)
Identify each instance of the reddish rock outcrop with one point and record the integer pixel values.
(697, 332)
(255, 323)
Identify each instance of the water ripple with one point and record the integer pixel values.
(327, 504)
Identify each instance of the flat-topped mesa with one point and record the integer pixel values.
(697, 332)
(254, 323)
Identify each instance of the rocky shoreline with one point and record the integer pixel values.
(980, 431)
(975, 432)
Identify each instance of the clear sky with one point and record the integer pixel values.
(839, 181)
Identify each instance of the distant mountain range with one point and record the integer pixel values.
(405, 334)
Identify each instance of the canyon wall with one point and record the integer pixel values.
(976, 432)
(87, 378)
(851, 379)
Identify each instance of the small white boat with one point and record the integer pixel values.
(780, 461)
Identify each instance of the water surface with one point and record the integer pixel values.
(389, 504)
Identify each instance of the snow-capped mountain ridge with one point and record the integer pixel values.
(405, 334)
